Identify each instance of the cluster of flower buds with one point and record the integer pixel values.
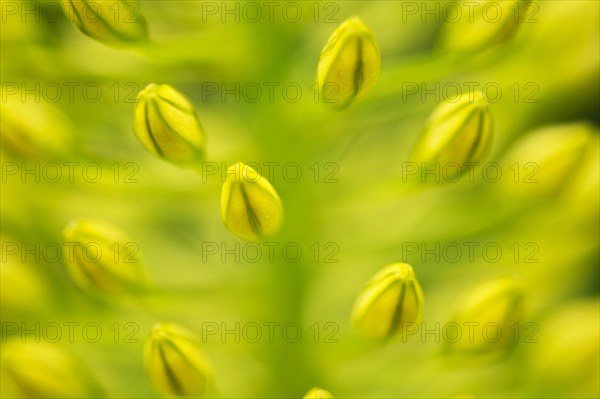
(459, 131)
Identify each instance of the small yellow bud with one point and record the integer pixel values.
(350, 64)
(44, 370)
(166, 124)
(100, 257)
(494, 308)
(23, 289)
(33, 130)
(174, 363)
(567, 358)
(250, 206)
(490, 23)
(392, 297)
(458, 131)
(109, 22)
(553, 161)
(318, 393)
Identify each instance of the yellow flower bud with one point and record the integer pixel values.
(166, 124)
(318, 393)
(489, 23)
(23, 289)
(566, 357)
(458, 131)
(493, 309)
(350, 64)
(392, 297)
(553, 161)
(44, 370)
(33, 130)
(100, 257)
(174, 363)
(250, 206)
(110, 22)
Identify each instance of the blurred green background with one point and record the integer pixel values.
(368, 212)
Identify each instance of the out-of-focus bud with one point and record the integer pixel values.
(566, 359)
(391, 298)
(166, 124)
(492, 309)
(44, 370)
(23, 288)
(555, 162)
(32, 130)
(101, 258)
(174, 363)
(250, 206)
(489, 23)
(109, 22)
(350, 64)
(458, 132)
(318, 393)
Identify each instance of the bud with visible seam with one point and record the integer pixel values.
(250, 206)
(102, 258)
(166, 124)
(110, 22)
(488, 23)
(391, 298)
(174, 362)
(350, 63)
(458, 132)
(492, 309)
